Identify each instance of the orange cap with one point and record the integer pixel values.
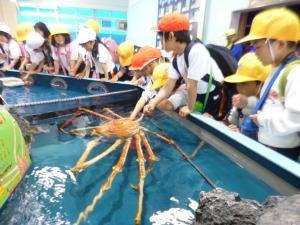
(173, 22)
(144, 56)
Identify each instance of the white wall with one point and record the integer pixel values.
(141, 17)
(218, 18)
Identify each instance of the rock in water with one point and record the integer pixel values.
(220, 207)
(285, 211)
(24, 126)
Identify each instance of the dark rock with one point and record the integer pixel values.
(285, 211)
(24, 126)
(220, 207)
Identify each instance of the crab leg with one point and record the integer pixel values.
(95, 113)
(183, 154)
(113, 113)
(142, 175)
(149, 151)
(82, 164)
(151, 156)
(76, 114)
(107, 185)
(61, 128)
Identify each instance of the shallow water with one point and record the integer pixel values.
(26, 94)
(47, 194)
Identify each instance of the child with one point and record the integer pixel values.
(39, 53)
(42, 29)
(22, 31)
(10, 51)
(98, 59)
(248, 78)
(275, 33)
(125, 53)
(174, 35)
(62, 50)
(144, 63)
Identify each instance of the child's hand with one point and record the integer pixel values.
(254, 117)
(234, 128)
(240, 101)
(149, 108)
(184, 111)
(114, 79)
(208, 115)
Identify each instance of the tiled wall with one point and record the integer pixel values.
(113, 23)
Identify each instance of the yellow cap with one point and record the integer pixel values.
(277, 23)
(125, 53)
(230, 32)
(160, 75)
(59, 29)
(94, 25)
(250, 69)
(22, 30)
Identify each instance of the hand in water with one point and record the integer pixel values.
(149, 108)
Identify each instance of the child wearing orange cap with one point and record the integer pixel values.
(174, 35)
(275, 33)
(143, 63)
(248, 78)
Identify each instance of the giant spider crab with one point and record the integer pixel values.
(124, 130)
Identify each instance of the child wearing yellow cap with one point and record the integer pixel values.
(250, 75)
(275, 33)
(125, 54)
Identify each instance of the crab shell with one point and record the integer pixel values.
(121, 128)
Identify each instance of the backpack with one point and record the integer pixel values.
(222, 55)
(286, 72)
(227, 64)
(112, 47)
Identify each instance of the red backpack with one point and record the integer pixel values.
(112, 48)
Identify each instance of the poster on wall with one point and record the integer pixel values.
(193, 9)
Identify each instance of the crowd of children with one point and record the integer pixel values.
(265, 105)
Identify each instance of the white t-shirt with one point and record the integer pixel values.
(14, 51)
(148, 93)
(279, 120)
(77, 50)
(35, 57)
(11, 50)
(3, 53)
(66, 54)
(200, 64)
(104, 57)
